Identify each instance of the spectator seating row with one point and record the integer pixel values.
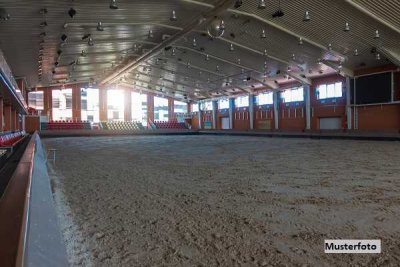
(170, 125)
(9, 139)
(66, 125)
(122, 125)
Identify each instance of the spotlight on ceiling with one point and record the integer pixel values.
(113, 4)
(83, 54)
(90, 41)
(300, 41)
(238, 61)
(194, 43)
(99, 26)
(265, 52)
(306, 16)
(4, 15)
(262, 4)
(64, 37)
(356, 52)
(42, 34)
(346, 27)
(238, 3)
(216, 28)
(263, 34)
(173, 53)
(231, 48)
(378, 56)
(207, 58)
(377, 36)
(329, 47)
(151, 35)
(72, 12)
(173, 16)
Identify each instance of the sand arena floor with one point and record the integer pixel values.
(225, 201)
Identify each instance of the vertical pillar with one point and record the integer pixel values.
(127, 105)
(7, 118)
(14, 120)
(231, 108)
(76, 103)
(200, 114)
(251, 111)
(171, 111)
(103, 104)
(276, 109)
(150, 107)
(307, 98)
(47, 103)
(1, 115)
(214, 113)
(348, 103)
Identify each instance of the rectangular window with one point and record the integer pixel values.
(206, 106)
(223, 103)
(160, 109)
(115, 105)
(139, 107)
(293, 95)
(90, 106)
(180, 107)
(242, 101)
(35, 100)
(195, 107)
(265, 99)
(332, 90)
(62, 104)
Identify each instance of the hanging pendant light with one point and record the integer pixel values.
(377, 36)
(378, 56)
(151, 35)
(194, 42)
(173, 53)
(346, 27)
(113, 4)
(356, 52)
(231, 48)
(207, 57)
(306, 16)
(90, 41)
(173, 16)
(263, 34)
(262, 4)
(265, 52)
(100, 27)
(300, 41)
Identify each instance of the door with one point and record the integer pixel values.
(334, 123)
(225, 123)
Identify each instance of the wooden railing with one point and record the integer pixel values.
(14, 210)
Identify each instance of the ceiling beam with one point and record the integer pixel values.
(392, 56)
(221, 6)
(341, 70)
(299, 78)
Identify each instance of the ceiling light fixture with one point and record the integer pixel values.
(113, 4)
(238, 61)
(377, 36)
(300, 41)
(378, 56)
(265, 52)
(238, 3)
(173, 16)
(90, 41)
(263, 34)
(151, 35)
(100, 26)
(207, 57)
(329, 47)
(346, 27)
(261, 4)
(231, 48)
(173, 53)
(356, 52)
(83, 53)
(306, 16)
(194, 42)
(64, 37)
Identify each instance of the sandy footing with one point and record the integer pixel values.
(225, 201)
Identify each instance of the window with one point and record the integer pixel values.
(195, 107)
(139, 107)
(35, 100)
(223, 103)
(115, 105)
(242, 101)
(265, 99)
(90, 109)
(206, 106)
(293, 95)
(180, 107)
(160, 109)
(62, 104)
(332, 90)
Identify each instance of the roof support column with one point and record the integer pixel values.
(7, 118)
(103, 104)
(276, 109)
(127, 105)
(214, 114)
(307, 98)
(231, 108)
(348, 103)
(251, 111)
(200, 114)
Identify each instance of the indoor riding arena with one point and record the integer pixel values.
(199, 133)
